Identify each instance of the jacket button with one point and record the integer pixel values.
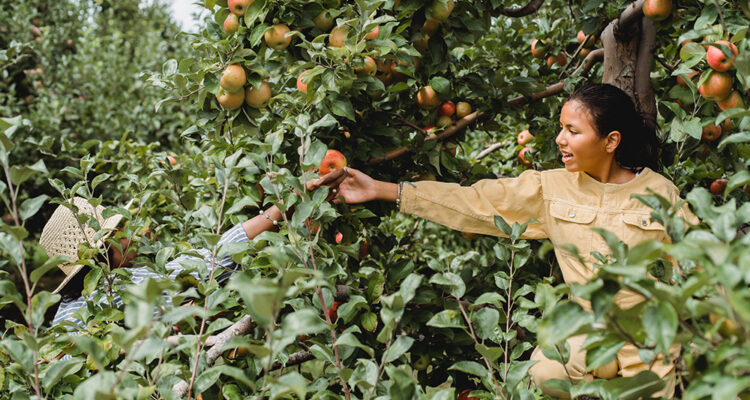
(572, 214)
(644, 222)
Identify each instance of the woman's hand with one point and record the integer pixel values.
(332, 179)
(357, 187)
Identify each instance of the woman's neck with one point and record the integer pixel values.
(615, 174)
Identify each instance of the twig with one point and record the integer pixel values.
(721, 17)
(474, 337)
(408, 123)
(491, 148)
(531, 7)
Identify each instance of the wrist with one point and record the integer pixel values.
(386, 191)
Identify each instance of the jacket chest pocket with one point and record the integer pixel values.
(638, 227)
(571, 224)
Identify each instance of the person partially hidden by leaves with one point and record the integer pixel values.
(610, 154)
(63, 234)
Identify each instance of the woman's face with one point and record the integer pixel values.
(581, 147)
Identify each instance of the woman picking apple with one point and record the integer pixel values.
(609, 154)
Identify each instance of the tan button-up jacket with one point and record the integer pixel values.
(565, 204)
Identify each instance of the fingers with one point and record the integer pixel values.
(328, 179)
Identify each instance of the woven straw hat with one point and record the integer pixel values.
(62, 234)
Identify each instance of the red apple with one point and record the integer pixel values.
(369, 67)
(429, 129)
(373, 34)
(657, 10)
(734, 100)
(465, 395)
(717, 86)
(427, 98)
(716, 57)
(230, 100)
(338, 35)
(364, 249)
(463, 109)
(718, 186)
(522, 156)
(690, 76)
(525, 137)
(339, 237)
(581, 36)
(430, 26)
(239, 6)
(257, 98)
(172, 160)
(332, 161)
(231, 23)
(276, 37)
(447, 108)
(711, 132)
(332, 311)
(233, 78)
(324, 21)
(538, 48)
(301, 86)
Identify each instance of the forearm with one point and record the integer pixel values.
(259, 224)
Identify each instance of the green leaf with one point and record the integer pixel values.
(485, 322)
(342, 107)
(261, 296)
(660, 323)
(447, 319)
(348, 339)
(442, 86)
(502, 225)
(303, 322)
(640, 386)
(565, 320)
(470, 367)
(401, 345)
(517, 372)
(739, 137)
(59, 370)
(30, 206)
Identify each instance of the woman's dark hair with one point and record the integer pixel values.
(611, 109)
(72, 291)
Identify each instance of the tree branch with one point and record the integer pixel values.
(531, 7)
(644, 93)
(557, 88)
(629, 16)
(241, 327)
(492, 148)
(448, 132)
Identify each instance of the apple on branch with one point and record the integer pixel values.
(276, 37)
(524, 137)
(657, 10)
(447, 108)
(258, 98)
(239, 7)
(332, 161)
(233, 78)
(463, 109)
(231, 23)
(716, 57)
(427, 98)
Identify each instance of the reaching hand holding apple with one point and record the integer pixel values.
(358, 187)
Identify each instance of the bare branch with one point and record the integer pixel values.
(241, 327)
(492, 148)
(294, 359)
(531, 7)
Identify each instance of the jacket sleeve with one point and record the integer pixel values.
(473, 208)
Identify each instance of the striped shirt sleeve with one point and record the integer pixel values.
(66, 310)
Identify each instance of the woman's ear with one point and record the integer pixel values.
(613, 140)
